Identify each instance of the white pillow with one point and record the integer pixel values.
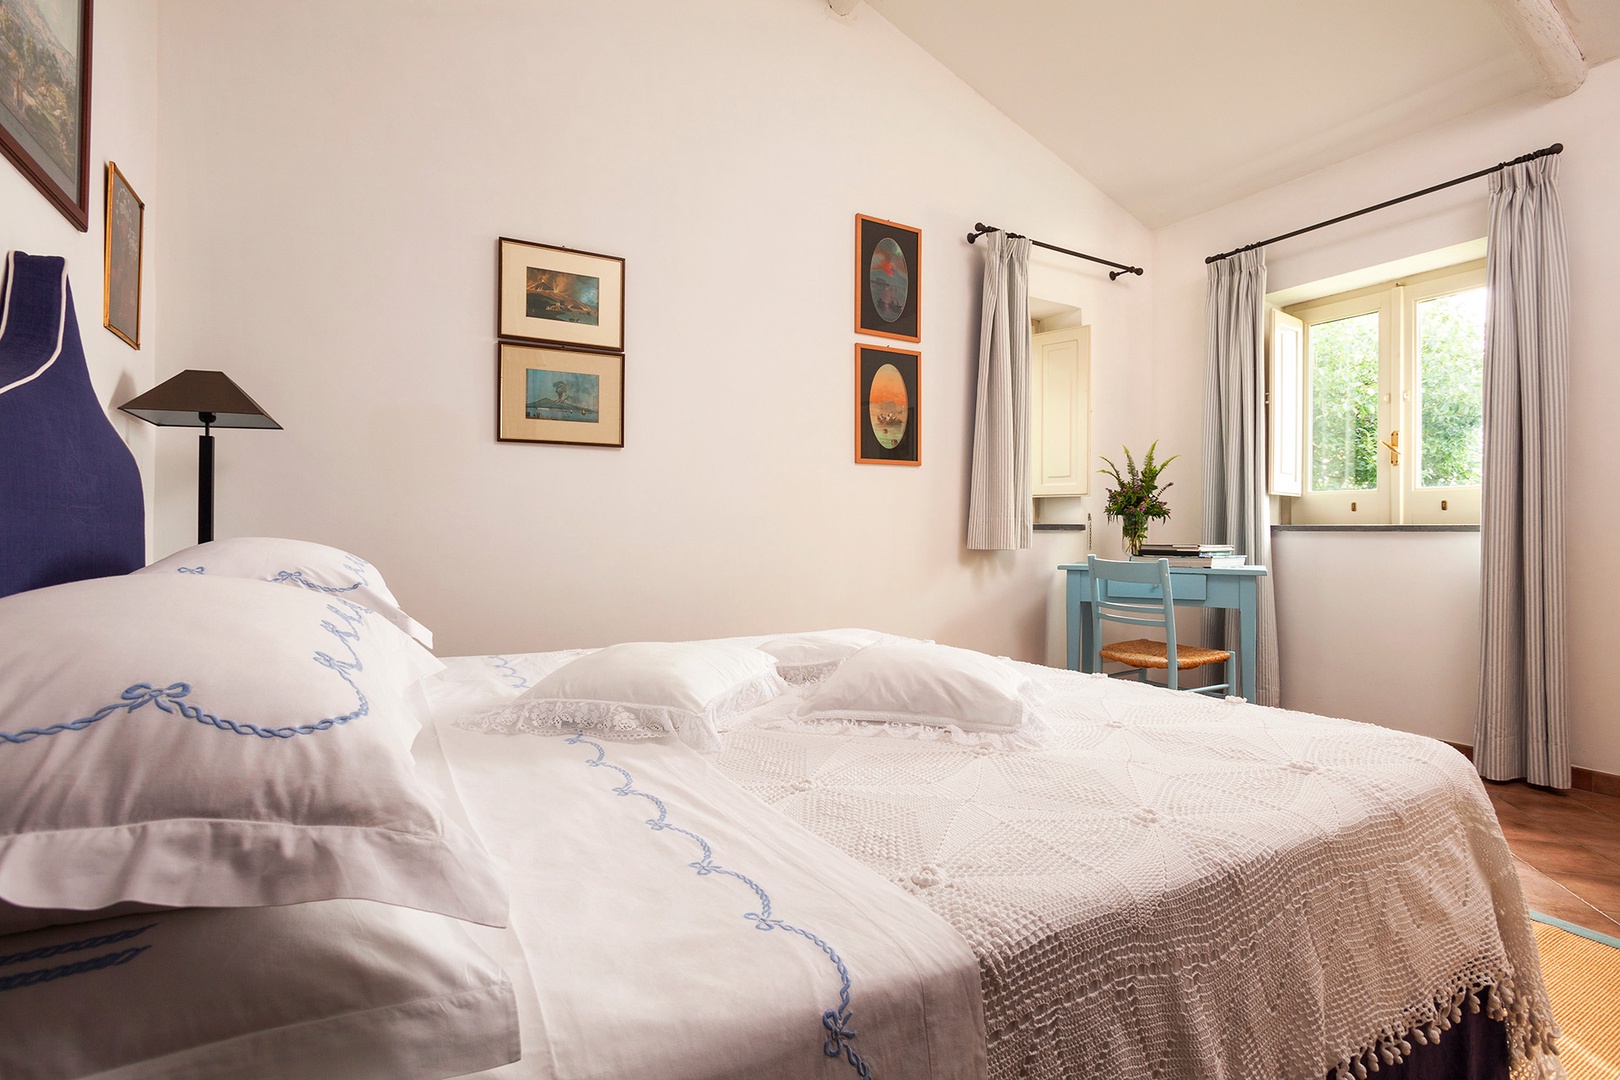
(300, 563)
(185, 740)
(643, 690)
(924, 691)
(807, 658)
(342, 990)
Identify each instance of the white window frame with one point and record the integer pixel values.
(1397, 500)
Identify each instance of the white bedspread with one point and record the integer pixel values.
(676, 928)
(1184, 888)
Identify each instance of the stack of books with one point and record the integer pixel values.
(1211, 555)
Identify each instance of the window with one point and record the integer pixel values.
(1390, 401)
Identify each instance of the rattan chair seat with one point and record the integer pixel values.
(1143, 653)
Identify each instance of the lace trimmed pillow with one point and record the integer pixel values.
(803, 659)
(923, 691)
(643, 690)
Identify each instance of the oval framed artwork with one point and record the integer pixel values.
(888, 399)
(888, 279)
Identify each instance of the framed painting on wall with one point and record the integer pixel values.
(560, 296)
(560, 396)
(888, 406)
(45, 99)
(126, 215)
(888, 279)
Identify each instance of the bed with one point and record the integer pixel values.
(254, 828)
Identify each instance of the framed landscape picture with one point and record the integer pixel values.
(560, 396)
(888, 406)
(121, 304)
(888, 279)
(45, 99)
(560, 296)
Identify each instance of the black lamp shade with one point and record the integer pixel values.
(205, 399)
(182, 401)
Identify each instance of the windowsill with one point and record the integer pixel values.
(1375, 528)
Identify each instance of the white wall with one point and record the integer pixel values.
(1381, 628)
(1333, 591)
(123, 128)
(336, 177)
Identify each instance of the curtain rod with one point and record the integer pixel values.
(980, 228)
(1555, 148)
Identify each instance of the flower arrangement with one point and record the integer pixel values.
(1138, 497)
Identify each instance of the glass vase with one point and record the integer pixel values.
(1135, 532)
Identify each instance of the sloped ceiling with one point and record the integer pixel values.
(1174, 107)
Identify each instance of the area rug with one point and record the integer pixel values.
(1582, 970)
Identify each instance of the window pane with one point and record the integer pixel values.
(1451, 377)
(1344, 404)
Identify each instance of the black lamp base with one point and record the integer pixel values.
(205, 488)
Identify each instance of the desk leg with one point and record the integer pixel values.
(1248, 624)
(1079, 626)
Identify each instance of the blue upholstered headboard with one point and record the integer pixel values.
(70, 492)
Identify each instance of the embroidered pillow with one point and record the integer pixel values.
(923, 691)
(340, 988)
(302, 564)
(802, 659)
(644, 690)
(185, 740)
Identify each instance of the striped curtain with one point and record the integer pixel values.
(1523, 704)
(1001, 510)
(1237, 509)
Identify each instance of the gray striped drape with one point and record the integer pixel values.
(1522, 694)
(1000, 507)
(1237, 509)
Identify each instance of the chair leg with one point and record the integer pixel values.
(1231, 676)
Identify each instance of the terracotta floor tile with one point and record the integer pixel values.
(1607, 805)
(1602, 892)
(1566, 849)
(1556, 857)
(1545, 895)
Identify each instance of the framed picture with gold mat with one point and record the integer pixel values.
(560, 396)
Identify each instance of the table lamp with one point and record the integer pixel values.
(205, 399)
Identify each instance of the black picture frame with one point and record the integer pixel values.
(888, 279)
(888, 406)
(45, 109)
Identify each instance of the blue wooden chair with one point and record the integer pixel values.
(1139, 593)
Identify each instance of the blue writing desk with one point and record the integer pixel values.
(1235, 587)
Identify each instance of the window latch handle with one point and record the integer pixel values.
(1394, 445)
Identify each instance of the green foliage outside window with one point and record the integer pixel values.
(1451, 374)
(1344, 404)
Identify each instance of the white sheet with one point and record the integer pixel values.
(648, 958)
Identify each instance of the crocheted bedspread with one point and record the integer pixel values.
(1179, 887)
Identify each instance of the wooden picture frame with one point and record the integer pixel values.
(45, 110)
(888, 279)
(888, 406)
(559, 296)
(564, 396)
(121, 284)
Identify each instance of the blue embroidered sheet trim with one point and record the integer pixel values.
(170, 698)
(77, 967)
(354, 564)
(504, 668)
(837, 1020)
(45, 952)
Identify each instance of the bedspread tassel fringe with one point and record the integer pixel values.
(1532, 1038)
